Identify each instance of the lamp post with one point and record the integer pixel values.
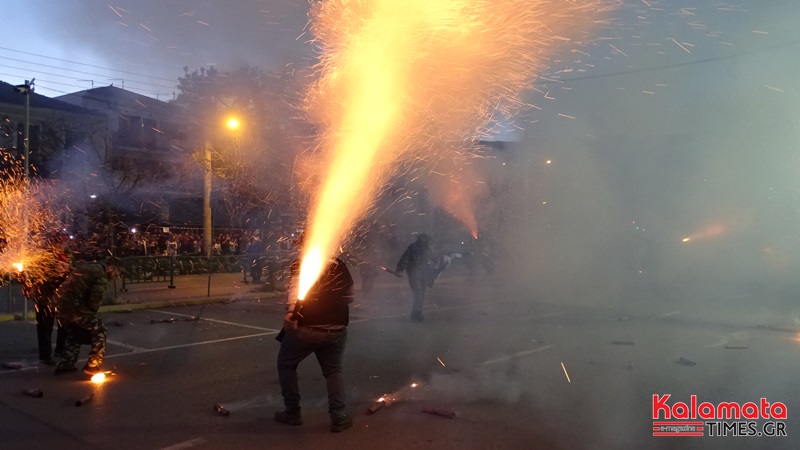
(231, 123)
(26, 90)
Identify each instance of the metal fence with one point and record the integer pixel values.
(163, 269)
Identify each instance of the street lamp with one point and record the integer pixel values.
(231, 123)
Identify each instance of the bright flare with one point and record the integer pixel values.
(416, 80)
(99, 378)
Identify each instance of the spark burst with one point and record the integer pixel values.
(26, 224)
(416, 80)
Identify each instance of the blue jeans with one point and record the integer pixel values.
(329, 350)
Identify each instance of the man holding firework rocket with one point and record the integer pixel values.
(318, 325)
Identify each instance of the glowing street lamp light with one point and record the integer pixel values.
(231, 123)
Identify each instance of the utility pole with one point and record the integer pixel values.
(26, 90)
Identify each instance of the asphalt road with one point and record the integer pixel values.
(519, 372)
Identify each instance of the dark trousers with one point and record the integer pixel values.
(418, 283)
(84, 330)
(329, 350)
(45, 319)
(255, 268)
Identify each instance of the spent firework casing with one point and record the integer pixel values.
(376, 407)
(449, 413)
(33, 392)
(84, 400)
(221, 410)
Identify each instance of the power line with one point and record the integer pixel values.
(43, 83)
(85, 64)
(76, 71)
(670, 66)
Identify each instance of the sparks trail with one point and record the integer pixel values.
(418, 79)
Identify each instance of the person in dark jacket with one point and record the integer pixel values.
(415, 262)
(43, 293)
(79, 300)
(318, 325)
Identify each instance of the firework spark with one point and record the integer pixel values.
(26, 224)
(417, 79)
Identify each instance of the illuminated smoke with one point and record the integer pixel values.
(455, 191)
(416, 80)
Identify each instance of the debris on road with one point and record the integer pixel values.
(377, 406)
(449, 413)
(685, 362)
(736, 346)
(34, 392)
(170, 320)
(221, 410)
(84, 400)
(13, 365)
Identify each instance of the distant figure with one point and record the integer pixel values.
(254, 252)
(79, 299)
(317, 325)
(414, 261)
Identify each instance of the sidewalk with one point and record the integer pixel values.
(188, 290)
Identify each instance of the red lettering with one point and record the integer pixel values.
(731, 410)
(693, 402)
(660, 404)
(750, 410)
(706, 411)
(680, 410)
(781, 410)
(764, 408)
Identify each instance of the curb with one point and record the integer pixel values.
(6, 318)
(128, 307)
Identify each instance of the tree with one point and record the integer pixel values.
(253, 165)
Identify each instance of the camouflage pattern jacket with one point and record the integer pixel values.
(83, 290)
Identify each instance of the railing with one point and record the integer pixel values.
(163, 269)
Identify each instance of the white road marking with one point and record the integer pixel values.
(187, 444)
(667, 314)
(516, 355)
(538, 316)
(123, 345)
(206, 319)
(194, 344)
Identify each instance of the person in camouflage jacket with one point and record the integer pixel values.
(79, 300)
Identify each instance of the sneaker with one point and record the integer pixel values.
(91, 370)
(61, 370)
(288, 418)
(341, 423)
